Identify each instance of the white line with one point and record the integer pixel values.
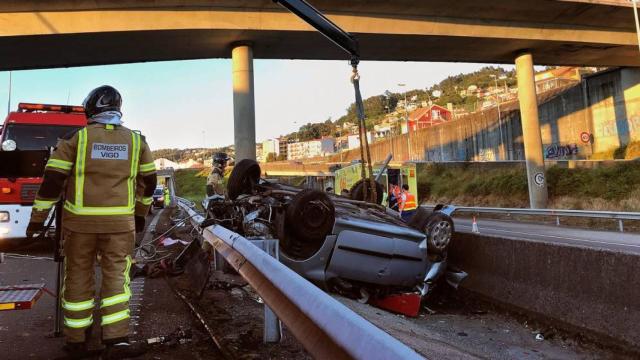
(558, 237)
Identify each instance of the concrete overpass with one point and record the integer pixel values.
(41, 33)
(45, 34)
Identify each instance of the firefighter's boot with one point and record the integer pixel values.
(122, 349)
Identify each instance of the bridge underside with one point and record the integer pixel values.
(30, 52)
(42, 34)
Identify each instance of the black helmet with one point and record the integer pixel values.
(99, 100)
(220, 158)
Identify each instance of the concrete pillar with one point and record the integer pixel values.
(244, 114)
(531, 131)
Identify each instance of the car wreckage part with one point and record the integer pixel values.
(358, 190)
(325, 327)
(310, 218)
(244, 176)
(437, 226)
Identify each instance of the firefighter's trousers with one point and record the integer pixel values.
(78, 295)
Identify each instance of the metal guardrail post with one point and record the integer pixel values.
(620, 225)
(272, 325)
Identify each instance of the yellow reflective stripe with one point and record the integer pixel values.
(123, 297)
(135, 157)
(78, 306)
(109, 127)
(145, 200)
(80, 163)
(106, 210)
(78, 323)
(115, 317)
(43, 204)
(60, 164)
(147, 167)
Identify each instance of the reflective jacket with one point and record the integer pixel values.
(106, 173)
(408, 202)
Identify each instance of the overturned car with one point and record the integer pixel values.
(354, 247)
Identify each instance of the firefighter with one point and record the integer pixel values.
(408, 204)
(105, 175)
(215, 181)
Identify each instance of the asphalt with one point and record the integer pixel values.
(596, 239)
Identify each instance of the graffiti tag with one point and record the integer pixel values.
(556, 151)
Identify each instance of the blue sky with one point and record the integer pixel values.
(180, 104)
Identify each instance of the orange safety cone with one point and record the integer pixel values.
(474, 226)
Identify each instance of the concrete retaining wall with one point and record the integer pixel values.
(597, 291)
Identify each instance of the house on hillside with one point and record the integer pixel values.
(425, 117)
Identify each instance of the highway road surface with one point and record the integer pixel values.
(606, 240)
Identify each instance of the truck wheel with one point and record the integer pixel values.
(310, 215)
(439, 230)
(357, 191)
(244, 176)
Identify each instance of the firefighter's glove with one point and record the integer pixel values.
(34, 228)
(140, 222)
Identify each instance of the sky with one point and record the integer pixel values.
(183, 104)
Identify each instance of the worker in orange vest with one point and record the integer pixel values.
(394, 199)
(408, 204)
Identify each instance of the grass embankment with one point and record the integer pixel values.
(191, 184)
(613, 187)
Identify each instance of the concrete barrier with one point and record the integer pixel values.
(589, 290)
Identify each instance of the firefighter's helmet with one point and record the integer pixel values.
(220, 159)
(102, 99)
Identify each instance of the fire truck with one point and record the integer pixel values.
(26, 140)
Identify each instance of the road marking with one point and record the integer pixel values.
(557, 237)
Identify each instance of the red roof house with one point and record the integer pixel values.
(428, 116)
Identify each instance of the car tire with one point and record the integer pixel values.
(244, 176)
(357, 191)
(310, 215)
(437, 226)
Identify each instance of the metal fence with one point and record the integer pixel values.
(556, 213)
(324, 326)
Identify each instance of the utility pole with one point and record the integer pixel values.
(406, 118)
(502, 152)
(9, 97)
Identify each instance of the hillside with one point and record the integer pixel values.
(376, 107)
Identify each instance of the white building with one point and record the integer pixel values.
(163, 163)
(354, 141)
(313, 148)
(271, 146)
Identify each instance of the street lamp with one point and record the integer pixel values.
(495, 79)
(406, 118)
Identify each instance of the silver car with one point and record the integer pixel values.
(351, 246)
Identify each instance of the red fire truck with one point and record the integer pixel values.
(26, 139)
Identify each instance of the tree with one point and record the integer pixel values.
(271, 157)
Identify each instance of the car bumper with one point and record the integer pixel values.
(16, 227)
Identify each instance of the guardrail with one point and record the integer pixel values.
(325, 327)
(613, 215)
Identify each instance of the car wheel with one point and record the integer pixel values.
(357, 191)
(439, 230)
(243, 178)
(311, 215)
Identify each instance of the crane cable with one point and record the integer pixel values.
(635, 15)
(365, 154)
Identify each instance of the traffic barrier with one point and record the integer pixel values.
(578, 288)
(324, 326)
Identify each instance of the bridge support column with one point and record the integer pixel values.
(531, 131)
(244, 115)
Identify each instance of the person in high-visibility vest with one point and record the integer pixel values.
(408, 204)
(167, 198)
(105, 175)
(394, 198)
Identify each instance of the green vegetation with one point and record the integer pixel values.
(190, 184)
(606, 187)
